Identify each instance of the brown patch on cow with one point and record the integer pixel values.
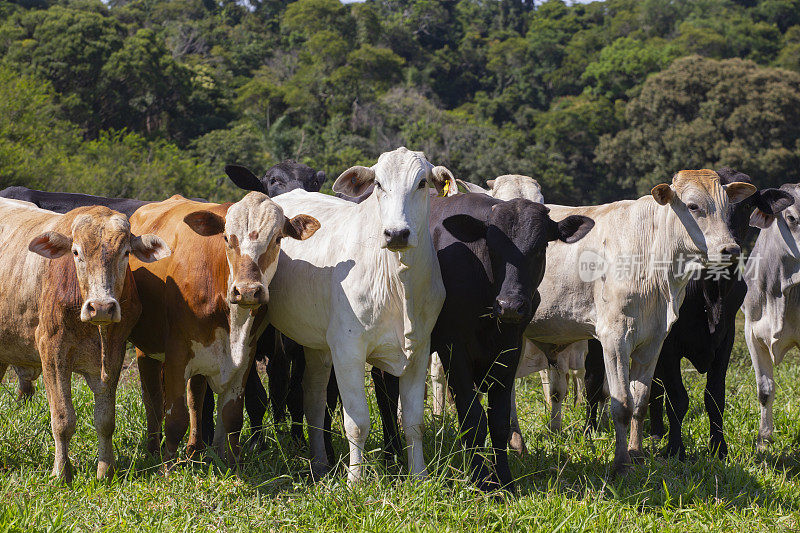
(705, 179)
(269, 256)
(253, 235)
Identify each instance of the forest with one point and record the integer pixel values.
(597, 101)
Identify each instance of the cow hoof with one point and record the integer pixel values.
(65, 474)
(621, 467)
(105, 471)
(517, 444)
(763, 444)
(193, 451)
(318, 472)
(719, 449)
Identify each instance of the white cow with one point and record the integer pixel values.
(508, 187)
(625, 281)
(367, 289)
(772, 305)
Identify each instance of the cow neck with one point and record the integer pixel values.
(405, 274)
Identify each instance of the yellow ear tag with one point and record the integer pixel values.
(446, 188)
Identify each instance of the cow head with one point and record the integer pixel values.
(401, 179)
(508, 187)
(100, 242)
(704, 206)
(283, 177)
(252, 229)
(516, 234)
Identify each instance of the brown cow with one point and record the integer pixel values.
(63, 312)
(203, 310)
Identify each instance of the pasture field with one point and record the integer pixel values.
(563, 483)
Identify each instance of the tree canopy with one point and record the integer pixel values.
(597, 101)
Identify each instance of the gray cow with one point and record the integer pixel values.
(771, 317)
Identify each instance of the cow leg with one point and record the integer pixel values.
(439, 385)
(657, 429)
(57, 376)
(231, 419)
(315, 384)
(643, 365)
(515, 440)
(207, 422)
(616, 357)
(152, 397)
(195, 396)
(412, 400)
(25, 388)
(557, 390)
(387, 393)
(294, 398)
(176, 421)
(255, 401)
(677, 400)
(715, 395)
(595, 377)
(105, 402)
(578, 377)
(349, 361)
(278, 372)
(499, 399)
(332, 402)
(762, 365)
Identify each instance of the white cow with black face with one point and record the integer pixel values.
(772, 305)
(366, 289)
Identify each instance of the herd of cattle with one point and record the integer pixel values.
(397, 266)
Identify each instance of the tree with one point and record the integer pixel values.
(702, 113)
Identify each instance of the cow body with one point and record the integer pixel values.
(704, 332)
(69, 312)
(204, 311)
(632, 310)
(368, 291)
(61, 202)
(772, 320)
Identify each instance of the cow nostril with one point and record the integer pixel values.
(236, 294)
(258, 293)
(91, 309)
(405, 233)
(387, 233)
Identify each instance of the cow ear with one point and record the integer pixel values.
(663, 193)
(739, 190)
(149, 248)
(773, 201)
(465, 228)
(354, 181)
(490, 183)
(50, 244)
(573, 228)
(243, 178)
(300, 227)
(444, 181)
(760, 219)
(205, 223)
(471, 187)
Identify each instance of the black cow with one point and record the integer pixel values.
(492, 256)
(283, 177)
(703, 333)
(61, 202)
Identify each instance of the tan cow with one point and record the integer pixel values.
(203, 310)
(69, 307)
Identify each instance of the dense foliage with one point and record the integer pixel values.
(597, 101)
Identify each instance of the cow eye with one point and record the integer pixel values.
(75, 253)
(692, 206)
(225, 237)
(378, 185)
(791, 219)
(421, 184)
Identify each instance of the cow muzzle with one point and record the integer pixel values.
(725, 254)
(512, 310)
(101, 311)
(250, 294)
(396, 239)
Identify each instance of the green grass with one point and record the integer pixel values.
(563, 484)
